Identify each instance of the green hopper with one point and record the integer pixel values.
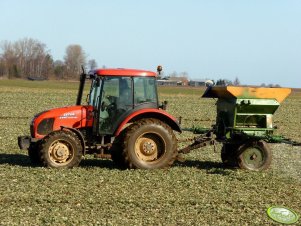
(245, 111)
(244, 125)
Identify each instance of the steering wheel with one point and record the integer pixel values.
(108, 107)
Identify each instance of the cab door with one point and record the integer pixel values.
(94, 100)
(116, 101)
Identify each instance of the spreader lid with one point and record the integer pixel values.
(236, 92)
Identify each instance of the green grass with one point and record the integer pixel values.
(199, 191)
(52, 84)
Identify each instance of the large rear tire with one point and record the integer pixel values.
(149, 144)
(116, 151)
(61, 149)
(254, 155)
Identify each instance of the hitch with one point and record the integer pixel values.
(199, 141)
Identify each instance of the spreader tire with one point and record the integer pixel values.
(61, 149)
(149, 144)
(254, 155)
(229, 154)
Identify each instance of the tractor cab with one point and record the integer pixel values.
(116, 95)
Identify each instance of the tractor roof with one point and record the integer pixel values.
(123, 72)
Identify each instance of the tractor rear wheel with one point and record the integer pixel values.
(61, 149)
(229, 154)
(149, 144)
(254, 155)
(116, 151)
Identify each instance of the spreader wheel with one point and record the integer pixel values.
(61, 149)
(254, 155)
(229, 154)
(149, 144)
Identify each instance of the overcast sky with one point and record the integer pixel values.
(258, 41)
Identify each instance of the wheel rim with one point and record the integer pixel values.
(253, 157)
(149, 147)
(61, 152)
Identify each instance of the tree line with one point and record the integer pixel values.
(30, 58)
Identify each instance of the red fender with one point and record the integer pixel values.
(150, 113)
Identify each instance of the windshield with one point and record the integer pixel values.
(95, 92)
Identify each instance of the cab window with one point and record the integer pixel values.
(94, 93)
(116, 100)
(145, 90)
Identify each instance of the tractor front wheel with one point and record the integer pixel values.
(34, 155)
(61, 149)
(149, 144)
(254, 155)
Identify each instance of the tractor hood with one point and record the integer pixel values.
(53, 119)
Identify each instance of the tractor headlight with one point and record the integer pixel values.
(45, 126)
(32, 132)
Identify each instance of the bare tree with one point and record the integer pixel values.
(223, 82)
(74, 59)
(173, 74)
(2, 66)
(9, 58)
(47, 66)
(26, 57)
(184, 74)
(92, 64)
(236, 82)
(59, 69)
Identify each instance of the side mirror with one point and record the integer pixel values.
(163, 105)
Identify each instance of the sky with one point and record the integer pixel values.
(257, 41)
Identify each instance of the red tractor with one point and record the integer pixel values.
(122, 120)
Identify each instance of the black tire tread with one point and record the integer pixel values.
(70, 135)
(229, 154)
(264, 147)
(145, 122)
(34, 155)
(116, 150)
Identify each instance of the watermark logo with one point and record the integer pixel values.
(68, 115)
(282, 215)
